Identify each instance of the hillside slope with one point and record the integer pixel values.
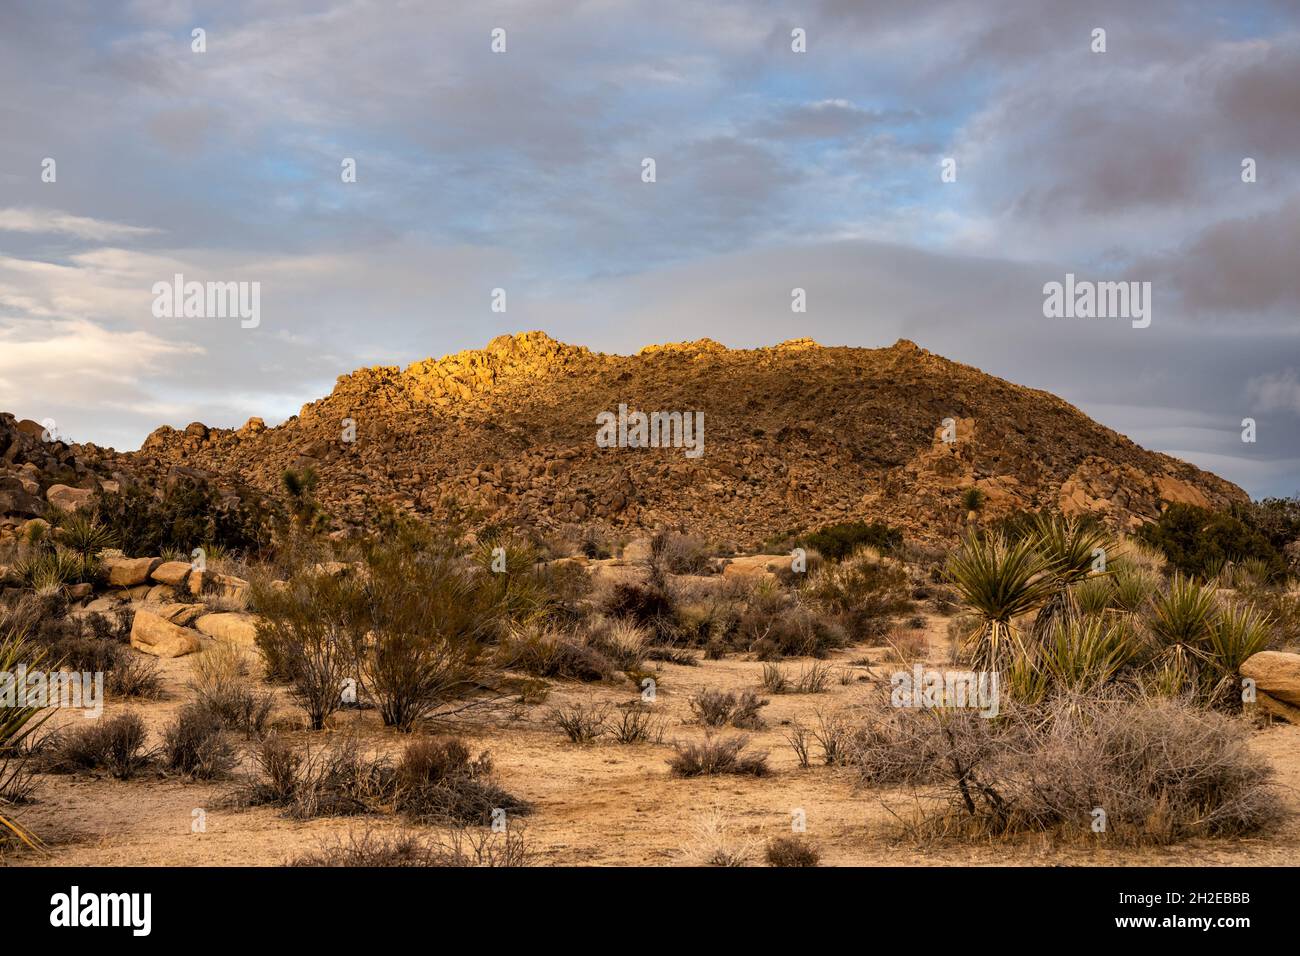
(796, 436)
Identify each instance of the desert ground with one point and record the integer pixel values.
(598, 804)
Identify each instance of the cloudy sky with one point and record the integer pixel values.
(775, 169)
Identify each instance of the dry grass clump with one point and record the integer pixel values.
(224, 689)
(813, 679)
(435, 780)
(461, 848)
(581, 723)
(195, 745)
(791, 851)
(548, 651)
(715, 708)
(718, 755)
(115, 745)
(1154, 771)
(715, 843)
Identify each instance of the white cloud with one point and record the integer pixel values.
(48, 221)
(1276, 391)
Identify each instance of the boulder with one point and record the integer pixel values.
(79, 592)
(1277, 708)
(760, 565)
(66, 498)
(178, 613)
(1276, 673)
(171, 572)
(222, 585)
(240, 629)
(129, 572)
(157, 636)
(160, 594)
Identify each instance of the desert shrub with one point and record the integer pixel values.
(196, 746)
(620, 640)
(834, 736)
(1079, 655)
(1198, 541)
(437, 781)
(635, 723)
(797, 736)
(182, 516)
(715, 708)
(794, 631)
(675, 553)
(461, 848)
(332, 780)
(134, 676)
(774, 680)
(864, 589)
(791, 851)
(906, 646)
(306, 632)
(581, 723)
(48, 569)
(715, 842)
(717, 755)
(222, 688)
(115, 745)
(649, 605)
(815, 678)
(837, 541)
(549, 652)
(972, 499)
(1162, 771)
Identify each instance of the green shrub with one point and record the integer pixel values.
(188, 514)
(1197, 541)
(837, 541)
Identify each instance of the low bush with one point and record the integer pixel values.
(195, 745)
(837, 541)
(715, 708)
(115, 745)
(791, 851)
(717, 755)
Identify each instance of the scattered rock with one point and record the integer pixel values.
(160, 637)
(1277, 673)
(129, 572)
(233, 628)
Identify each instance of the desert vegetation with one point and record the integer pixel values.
(321, 677)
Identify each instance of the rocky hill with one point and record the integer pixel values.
(796, 436)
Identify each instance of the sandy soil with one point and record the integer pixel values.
(602, 804)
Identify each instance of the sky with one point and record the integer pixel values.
(775, 169)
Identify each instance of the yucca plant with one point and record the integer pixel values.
(1132, 586)
(1093, 596)
(85, 536)
(1000, 581)
(1238, 632)
(1080, 655)
(1184, 614)
(1069, 547)
(48, 570)
(16, 725)
(1181, 620)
